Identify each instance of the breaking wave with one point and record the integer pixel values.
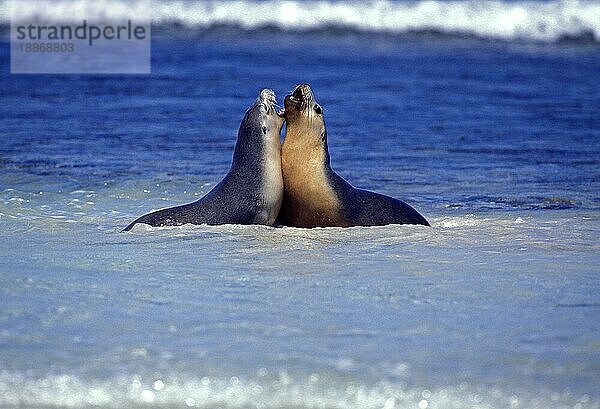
(546, 21)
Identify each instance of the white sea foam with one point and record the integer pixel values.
(529, 20)
(281, 392)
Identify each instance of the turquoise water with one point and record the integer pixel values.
(495, 141)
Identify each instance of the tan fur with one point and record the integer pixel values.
(314, 195)
(309, 200)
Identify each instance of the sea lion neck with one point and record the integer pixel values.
(303, 148)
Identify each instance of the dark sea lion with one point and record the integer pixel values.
(252, 191)
(316, 196)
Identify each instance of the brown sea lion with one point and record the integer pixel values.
(316, 196)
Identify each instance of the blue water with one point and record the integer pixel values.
(496, 142)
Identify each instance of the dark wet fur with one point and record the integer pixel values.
(236, 199)
(362, 207)
(365, 208)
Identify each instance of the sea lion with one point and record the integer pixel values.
(252, 191)
(316, 196)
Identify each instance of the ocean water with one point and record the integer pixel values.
(491, 130)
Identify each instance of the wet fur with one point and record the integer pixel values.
(252, 191)
(316, 196)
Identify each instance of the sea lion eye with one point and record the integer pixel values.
(318, 109)
(264, 129)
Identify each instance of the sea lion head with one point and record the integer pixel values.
(263, 115)
(304, 117)
(259, 135)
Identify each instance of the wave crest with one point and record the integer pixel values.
(493, 19)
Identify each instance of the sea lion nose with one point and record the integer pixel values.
(303, 92)
(300, 90)
(267, 97)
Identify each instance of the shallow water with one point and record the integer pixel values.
(495, 306)
(485, 310)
